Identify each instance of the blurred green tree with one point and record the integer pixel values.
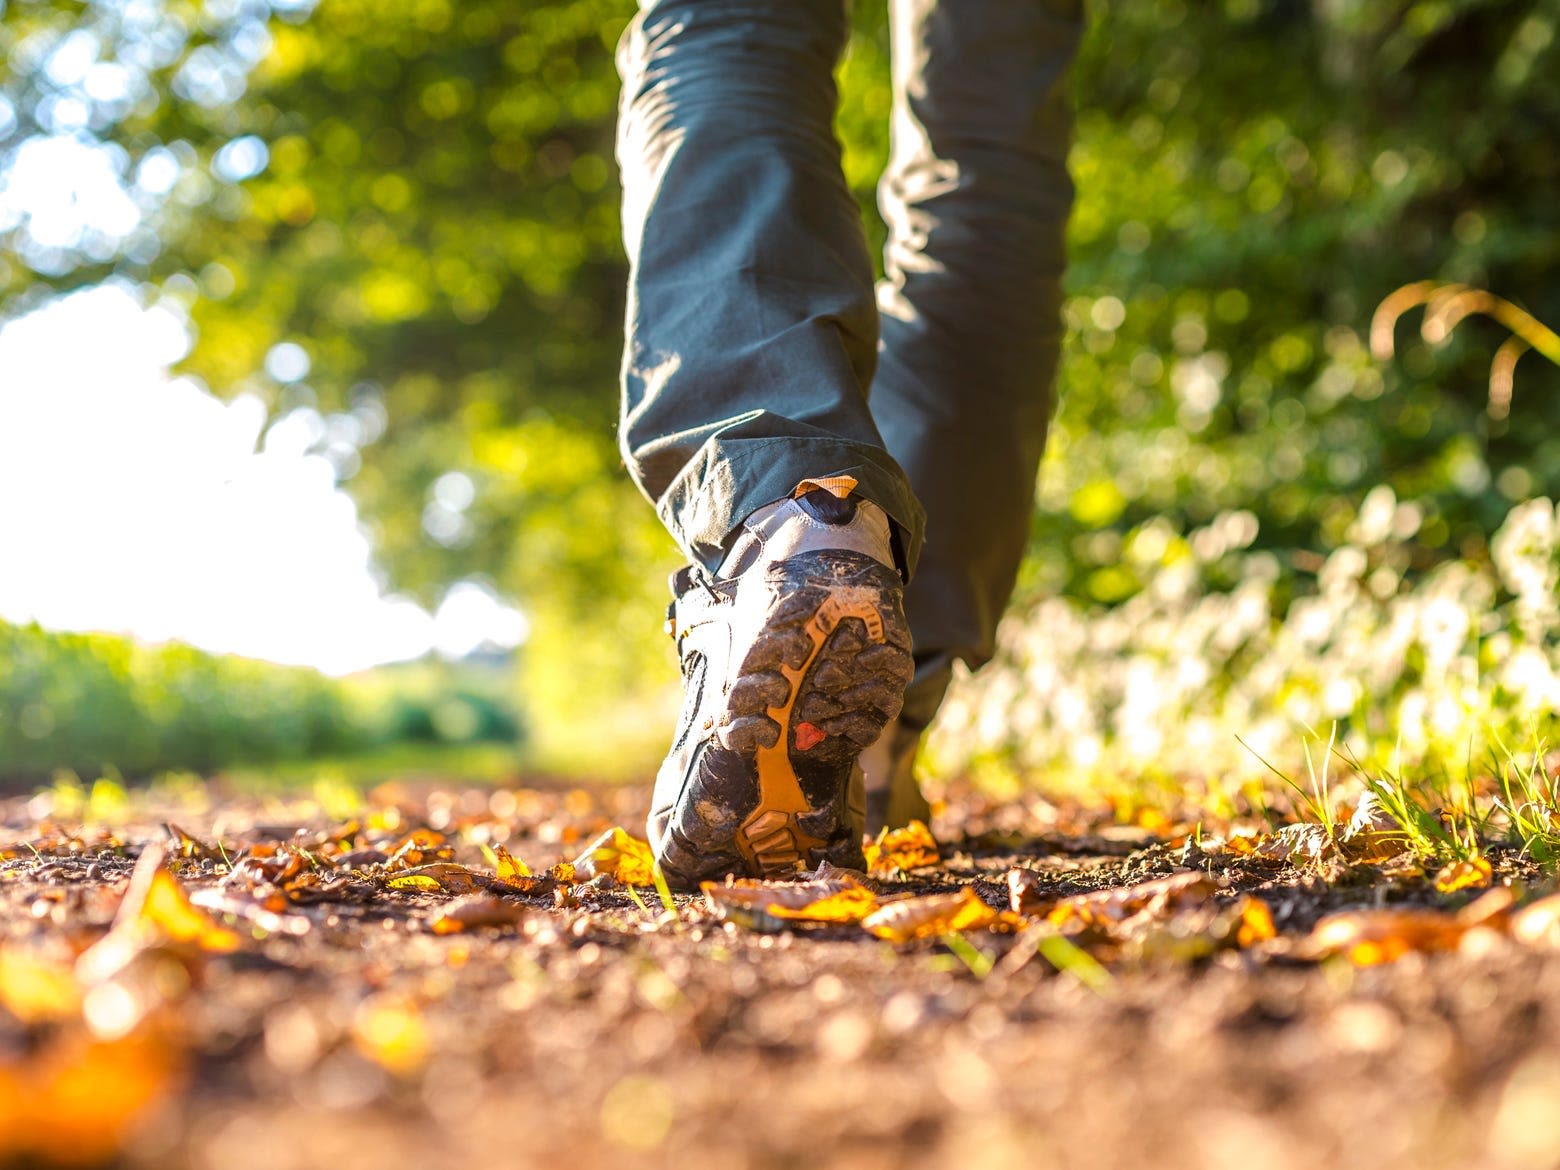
(416, 203)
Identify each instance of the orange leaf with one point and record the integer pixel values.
(77, 1099)
(898, 850)
(936, 914)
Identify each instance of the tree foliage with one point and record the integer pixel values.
(420, 196)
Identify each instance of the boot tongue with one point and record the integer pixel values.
(823, 505)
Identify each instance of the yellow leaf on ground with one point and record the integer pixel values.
(897, 850)
(415, 881)
(509, 866)
(835, 899)
(445, 876)
(1473, 874)
(170, 911)
(936, 914)
(848, 905)
(619, 854)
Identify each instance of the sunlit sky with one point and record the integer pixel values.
(136, 502)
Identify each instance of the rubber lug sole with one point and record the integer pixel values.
(823, 677)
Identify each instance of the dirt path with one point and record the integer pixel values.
(589, 1026)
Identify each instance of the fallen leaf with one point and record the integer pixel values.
(437, 876)
(476, 910)
(1155, 898)
(427, 883)
(1469, 874)
(900, 850)
(1371, 834)
(154, 902)
(849, 905)
(1371, 937)
(835, 899)
(936, 914)
(620, 855)
(509, 866)
(1024, 894)
(1290, 844)
(187, 846)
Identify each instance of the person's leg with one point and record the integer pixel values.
(751, 327)
(976, 197)
(751, 340)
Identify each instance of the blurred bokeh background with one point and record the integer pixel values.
(311, 330)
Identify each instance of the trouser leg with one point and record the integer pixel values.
(751, 325)
(976, 196)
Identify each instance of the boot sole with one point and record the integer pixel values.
(825, 674)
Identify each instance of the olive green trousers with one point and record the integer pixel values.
(758, 351)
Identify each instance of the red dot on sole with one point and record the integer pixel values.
(808, 735)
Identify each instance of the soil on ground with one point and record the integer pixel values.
(258, 1010)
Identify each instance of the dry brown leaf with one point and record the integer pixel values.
(1371, 834)
(187, 846)
(1371, 937)
(935, 914)
(1296, 844)
(438, 876)
(1155, 898)
(1024, 896)
(476, 910)
(620, 855)
(899, 850)
(1470, 874)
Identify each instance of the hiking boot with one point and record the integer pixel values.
(893, 798)
(795, 655)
